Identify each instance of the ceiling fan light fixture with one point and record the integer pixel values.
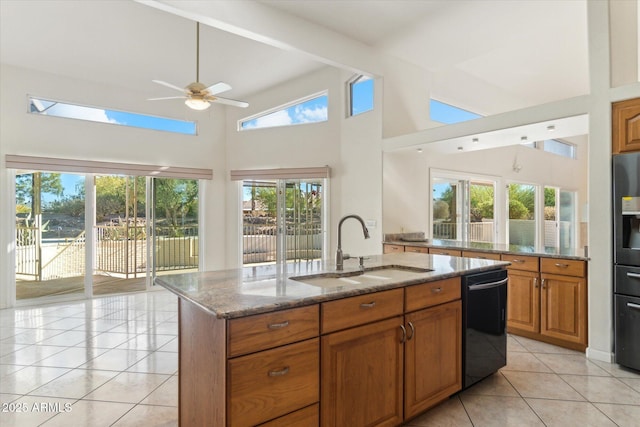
(197, 104)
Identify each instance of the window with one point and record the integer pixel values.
(463, 207)
(522, 214)
(449, 114)
(312, 109)
(560, 148)
(101, 115)
(360, 95)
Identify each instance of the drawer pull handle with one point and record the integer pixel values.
(632, 305)
(634, 275)
(482, 257)
(413, 331)
(561, 265)
(404, 334)
(543, 283)
(278, 325)
(519, 261)
(368, 305)
(279, 373)
(436, 290)
(535, 282)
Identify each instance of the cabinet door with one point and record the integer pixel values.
(389, 249)
(563, 310)
(523, 301)
(626, 126)
(361, 372)
(433, 356)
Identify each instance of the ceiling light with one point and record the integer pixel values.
(460, 148)
(475, 140)
(197, 104)
(551, 128)
(419, 150)
(523, 140)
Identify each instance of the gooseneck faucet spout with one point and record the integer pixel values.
(339, 256)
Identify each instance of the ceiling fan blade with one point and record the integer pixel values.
(232, 102)
(218, 88)
(167, 97)
(160, 82)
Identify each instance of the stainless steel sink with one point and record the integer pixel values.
(370, 275)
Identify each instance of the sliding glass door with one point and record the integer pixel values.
(127, 242)
(282, 221)
(463, 208)
(50, 234)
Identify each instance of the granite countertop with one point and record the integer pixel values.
(417, 239)
(252, 290)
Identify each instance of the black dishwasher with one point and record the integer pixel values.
(484, 328)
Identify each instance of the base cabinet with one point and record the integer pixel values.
(547, 300)
(434, 340)
(362, 376)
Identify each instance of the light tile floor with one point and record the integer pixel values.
(114, 361)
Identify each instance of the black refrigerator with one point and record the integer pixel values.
(626, 235)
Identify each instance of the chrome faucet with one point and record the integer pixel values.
(339, 256)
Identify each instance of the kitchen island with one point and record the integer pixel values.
(296, 344)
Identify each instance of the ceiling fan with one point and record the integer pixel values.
(197, 95)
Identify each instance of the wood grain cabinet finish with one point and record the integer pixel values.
(547, 300)
(417, 249)
(389, 249)
(305, 417)
(361, 309)
(442, 251)
(362, 376)
(272, 383)
(481, 255)
(263, 331)
(433, 356)
(625, 126)
(432, 293)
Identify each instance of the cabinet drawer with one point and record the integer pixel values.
(388, 249)
(566, 267)
(432, 293)
(520, 262)
(481, 255)
(417, 249)
(305, 417)
(266, 385)
(442, 251)
(263, 331)
(353, 311)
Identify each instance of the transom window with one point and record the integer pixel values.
(449, 114)
(311, 109)
(47, 107)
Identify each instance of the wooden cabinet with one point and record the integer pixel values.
(391, 369)
(305, 417)
(442, 251)
(523, 301)
(389, 249)
(481, 255)
(625, 126)
(417, 249)
(362, 376)
(547, 300)
(433, 356)
(251, 370)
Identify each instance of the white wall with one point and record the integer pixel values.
(350, 146)
(29, 134)
(406, 187)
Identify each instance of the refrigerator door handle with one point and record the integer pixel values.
(634, 275)
(632, 305)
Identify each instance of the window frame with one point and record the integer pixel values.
(284, 107)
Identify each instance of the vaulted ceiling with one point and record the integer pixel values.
(485, 55)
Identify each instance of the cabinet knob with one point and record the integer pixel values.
(535, 282)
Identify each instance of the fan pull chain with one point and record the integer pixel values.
(197, 51)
